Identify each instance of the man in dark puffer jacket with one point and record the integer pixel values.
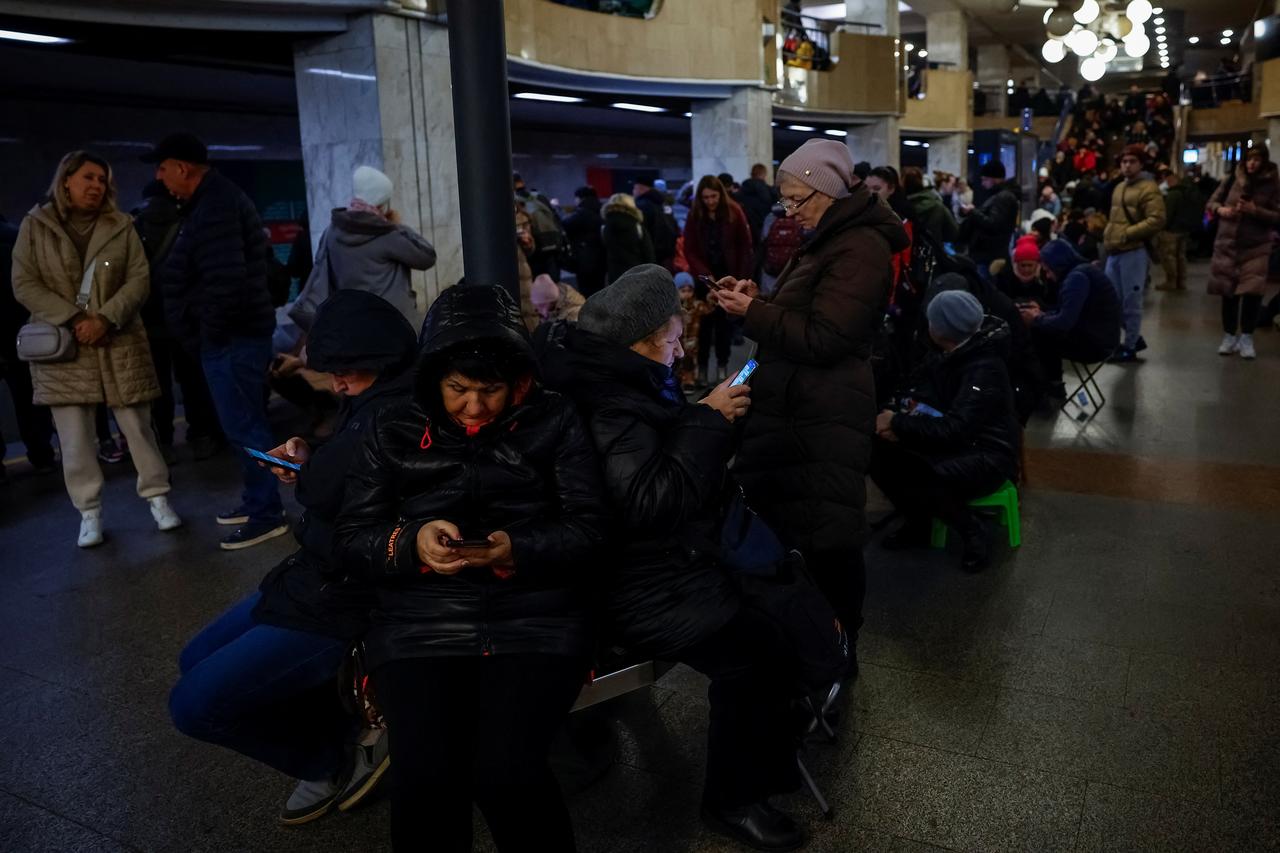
(216, 298)
(260, 678)
(989, 228)
(931, 463)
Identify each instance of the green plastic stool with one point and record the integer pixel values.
(1006, 499)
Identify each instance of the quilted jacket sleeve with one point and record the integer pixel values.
(124, 305)
(658, 482)
(542, 545)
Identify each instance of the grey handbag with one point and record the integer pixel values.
(44, 343)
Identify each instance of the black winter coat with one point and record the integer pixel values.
(215, 279)
(530, 473)
(664, 464)
(807, 441)
(977, 438)
(586, 248)
(989, 228)
(310, 590)
(157, 220)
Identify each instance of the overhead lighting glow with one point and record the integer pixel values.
(911, 143)
(1193, 40)
(1159, 31)
(1092, 69)
(1227, 33)
(542, 96)
(833, 132)
(32, 38)
(345, 75)
(1088, 12)
(1158, 21)
(802, 128)
(909, 47)
(688, 115)
(923, 53)
(1083, 42)
(1224, 40)
(1136, 46)
(638, 108)
(1053, 50)
(1138, 11)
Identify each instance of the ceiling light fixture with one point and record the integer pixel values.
(1193, 40)
(345, 75)
(1224, 40)
(801, 128)
(833, 132)
(542, 96)
(1227, 33)
(638, 108)
(32, 38)
(922, 53)
(1138, 11)
(1088, 12)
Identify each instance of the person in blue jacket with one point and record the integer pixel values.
(1083, 322)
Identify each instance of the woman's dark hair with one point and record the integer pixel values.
(888, 174)
(483, 361)
(897, 199)
(912, 180)
(699, 211)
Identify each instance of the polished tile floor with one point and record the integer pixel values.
(1111, 686)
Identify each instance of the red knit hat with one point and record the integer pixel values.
(1026, 249)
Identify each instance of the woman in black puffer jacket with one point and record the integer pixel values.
(666, 596)
(477, 652)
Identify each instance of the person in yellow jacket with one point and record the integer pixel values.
(1137, 216)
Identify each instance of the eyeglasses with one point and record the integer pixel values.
(790, 206)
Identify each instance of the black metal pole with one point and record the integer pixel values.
(482, 130)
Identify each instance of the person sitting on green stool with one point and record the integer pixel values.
(956, 437)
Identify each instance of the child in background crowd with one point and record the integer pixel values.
(695, 309)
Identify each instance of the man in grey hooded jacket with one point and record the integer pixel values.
(366, 247)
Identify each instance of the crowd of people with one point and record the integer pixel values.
(537, 474)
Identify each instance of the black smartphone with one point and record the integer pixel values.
(710, 282)
(468, 543)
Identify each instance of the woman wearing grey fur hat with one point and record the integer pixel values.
(806, 448)
(665, 467)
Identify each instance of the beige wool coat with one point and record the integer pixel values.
(46, 279)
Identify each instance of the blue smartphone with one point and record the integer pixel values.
(745, 373)
(275, 461)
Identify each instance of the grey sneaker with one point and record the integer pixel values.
(311, 800)
(371, 763)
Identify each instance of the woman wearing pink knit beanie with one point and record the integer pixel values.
(807, 444)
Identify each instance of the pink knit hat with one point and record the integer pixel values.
(824, 165)
(543, 291)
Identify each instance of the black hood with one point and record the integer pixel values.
(992, 338)
(862, 208)
(475, 316)
(357, 330)
(357, 227)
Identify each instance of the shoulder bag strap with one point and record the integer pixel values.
(86, 285)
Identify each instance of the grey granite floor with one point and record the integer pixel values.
(1111, 686)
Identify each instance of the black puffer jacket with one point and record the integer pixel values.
(976, 440)
(312, 590)
(664, 475)
(530, 473)
(989, 228)
(157, 220)
(807, 441)
(215, 279)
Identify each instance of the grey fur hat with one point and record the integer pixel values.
(635, 306)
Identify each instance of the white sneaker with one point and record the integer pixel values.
(90, 528)
(1230, 344)
(1245, 347)
(162, 512)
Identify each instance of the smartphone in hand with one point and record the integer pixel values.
(274, 461)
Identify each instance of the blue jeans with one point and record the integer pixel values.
(237, 376)
(266, 692)
(1128, 272)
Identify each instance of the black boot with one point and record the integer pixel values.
(759, 826)
(977, 544)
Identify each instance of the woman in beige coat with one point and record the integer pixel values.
(79, 232)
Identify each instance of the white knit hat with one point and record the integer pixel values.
(371, 186)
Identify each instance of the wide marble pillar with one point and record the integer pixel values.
(876, 142)
(994, 75)
(947, 37)
(950, 154)
(733, 134)
(379, 95)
